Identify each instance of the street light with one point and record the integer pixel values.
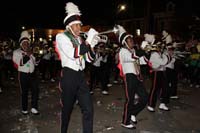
(122, 7)
(138, 32)
(121, 10)
(23, 27)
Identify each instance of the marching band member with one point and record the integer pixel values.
(133, 84)
(97, 74)
(166, 37)
(158, 60)
(25, 64)
(73, 52)
(172, 74)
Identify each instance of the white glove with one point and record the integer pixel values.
(92, 37)
(149, 38)
(144, 44)
(116, 29)
(95, 41)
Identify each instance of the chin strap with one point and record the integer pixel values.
(72, 32)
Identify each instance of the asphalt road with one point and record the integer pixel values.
(184, 116)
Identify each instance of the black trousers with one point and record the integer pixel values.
(28, 81)
(45, 64)
(97, 74)
(94, 76)
(133, 86)
(172, 80)
(73, 87)
(159, 88)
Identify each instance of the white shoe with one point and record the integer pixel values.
(109, 85)
(197, 86)
(115, 81)
(76, 102)
(24, 112)
(34, 111)
(174, 97)
(136, 96)
(162, 106)
(11, 78)
(52, 80)
(104, 92)
(151, 109)
(133, 119)
(129, 126)
(91, 92)
(0, 90)
(191, 85)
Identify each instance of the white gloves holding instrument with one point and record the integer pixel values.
(92, 37)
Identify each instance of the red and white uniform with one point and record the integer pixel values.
(26, 67)
(133, 85)
(159, 81)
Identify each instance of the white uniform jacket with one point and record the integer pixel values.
(22, 66)
(159, 61)
(129, 61)
(70, 54)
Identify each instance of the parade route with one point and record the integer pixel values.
(184, 116)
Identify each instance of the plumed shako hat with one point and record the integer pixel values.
(73, 14)
(122, 34)
(25, 36)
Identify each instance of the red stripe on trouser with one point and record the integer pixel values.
(59, 87)
(19, 82)
(61, 103)
(153, 89)
(126, 104)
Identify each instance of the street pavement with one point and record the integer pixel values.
(184, 116)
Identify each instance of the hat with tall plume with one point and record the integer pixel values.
(122, 34)
(73, 14)
(25, 36)
(150, 38)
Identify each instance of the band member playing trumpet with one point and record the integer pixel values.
(159, 59)
(74, 52)
(133, 84)
(25, 64)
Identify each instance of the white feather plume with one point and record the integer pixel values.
(121, 29)
(144, 44)
(149, 38)
(71, 8)
(25, 34)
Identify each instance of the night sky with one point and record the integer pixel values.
(50, 14)
(40, 14)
